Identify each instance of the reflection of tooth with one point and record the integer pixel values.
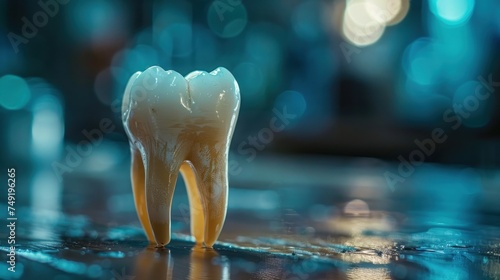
(154, 263)
(180, 124)
(158, 263)
(206, 264)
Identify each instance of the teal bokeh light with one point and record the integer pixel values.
(227, 20)
(250, 78)
(459, 46)
(452, 12)
(97, 22)
(14, 92)
(293, 101)
(422, 61)
(474, 104)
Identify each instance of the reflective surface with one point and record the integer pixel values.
(340, 222)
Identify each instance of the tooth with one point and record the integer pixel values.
(180, 124)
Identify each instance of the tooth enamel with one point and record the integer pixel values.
(180, 124)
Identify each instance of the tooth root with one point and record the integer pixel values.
(210, 165)
(161, 177)
(138, 187)
(195, 205)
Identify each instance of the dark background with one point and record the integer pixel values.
(368, 85)
(353, 100)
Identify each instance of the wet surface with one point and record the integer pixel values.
(344, 224)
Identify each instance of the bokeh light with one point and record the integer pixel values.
(140, 57)
(45, 191)
(14, 92)
(452, 12)
(422, 61)
(177, 39)
(293, 101)
(386, 11)
(264, 48)
(123, 65)
(9, 61)
(251, 81)
(47, 131)
(305, 20)
(359, 27)
(473, 103)
(97, 22)
(364, 21)
(401, 6)
(205, 48)
(227, 19)
(357, 207)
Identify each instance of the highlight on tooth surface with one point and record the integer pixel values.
(180, 124)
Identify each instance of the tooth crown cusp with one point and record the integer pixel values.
(180, 124)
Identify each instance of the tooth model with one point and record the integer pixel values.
(185, 124)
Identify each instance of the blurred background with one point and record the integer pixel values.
(363, 91)
(359, 78)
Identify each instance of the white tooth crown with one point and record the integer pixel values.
(180, 124)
